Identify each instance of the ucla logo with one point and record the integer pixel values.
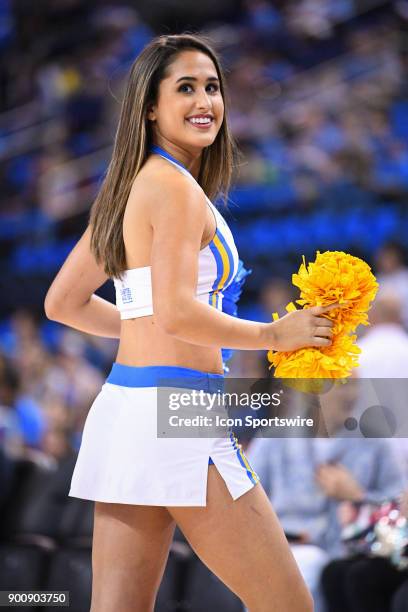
(126, 295)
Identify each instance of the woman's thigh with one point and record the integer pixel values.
(129, 554)
(243, 543)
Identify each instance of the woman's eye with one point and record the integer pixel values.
(182, 87)
(215, 87)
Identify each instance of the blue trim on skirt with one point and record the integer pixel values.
(164, 376)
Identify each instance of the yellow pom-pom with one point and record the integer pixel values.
(334, 277)
(291, 307)
(333, 361)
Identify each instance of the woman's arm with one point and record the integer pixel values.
(178, 216)
(70, 298)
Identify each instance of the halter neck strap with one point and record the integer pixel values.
(163, 153)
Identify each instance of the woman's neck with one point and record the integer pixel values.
(186, 159)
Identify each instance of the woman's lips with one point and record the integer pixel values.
(201, 126)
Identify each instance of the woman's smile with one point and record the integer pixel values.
(202, 122)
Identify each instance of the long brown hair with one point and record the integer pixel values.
(134, 137)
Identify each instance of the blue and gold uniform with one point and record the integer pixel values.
(217, 267)
(122, 459)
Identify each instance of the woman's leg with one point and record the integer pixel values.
(243, 543)
(129, 554)
(311, 560)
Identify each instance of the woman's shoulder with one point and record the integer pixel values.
(159, 181)
(158, 175)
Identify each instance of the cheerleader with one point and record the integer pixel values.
(154, 230)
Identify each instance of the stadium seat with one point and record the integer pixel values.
(39, 504)
(76, 524)
(27, 477)
(71, 570)
(22, 567)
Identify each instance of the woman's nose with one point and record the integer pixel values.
(203, 100)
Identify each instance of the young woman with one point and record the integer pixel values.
(154, 231)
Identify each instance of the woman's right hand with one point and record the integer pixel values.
(302, 328)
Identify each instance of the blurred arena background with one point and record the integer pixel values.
(319, 108)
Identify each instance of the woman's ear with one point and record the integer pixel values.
(151, 115)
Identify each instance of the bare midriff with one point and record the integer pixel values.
(143, 342)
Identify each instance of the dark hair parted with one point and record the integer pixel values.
(134, 137)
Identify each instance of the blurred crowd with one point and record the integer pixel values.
(49, 376)
(319, 107)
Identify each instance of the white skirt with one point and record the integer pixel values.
(123, 460)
